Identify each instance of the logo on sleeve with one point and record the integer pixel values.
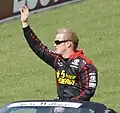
(93, 78)
(93, 85)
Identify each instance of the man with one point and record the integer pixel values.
(76, 76)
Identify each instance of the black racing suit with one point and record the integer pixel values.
(76, 76)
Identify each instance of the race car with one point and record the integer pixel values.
(53, 106)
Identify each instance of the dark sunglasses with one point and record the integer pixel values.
(57, 42)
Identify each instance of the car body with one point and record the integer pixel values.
(54, 106)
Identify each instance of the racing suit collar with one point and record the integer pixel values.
(77, 53)
(81, 54)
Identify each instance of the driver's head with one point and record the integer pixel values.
(59, 110)
(65, 40)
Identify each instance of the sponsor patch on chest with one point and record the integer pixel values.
(60, 63)
(76, 62)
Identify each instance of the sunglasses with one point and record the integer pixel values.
(57, 42)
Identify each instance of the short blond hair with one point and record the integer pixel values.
(69, 35)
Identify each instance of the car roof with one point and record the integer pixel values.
(74, 104)
(43, 103)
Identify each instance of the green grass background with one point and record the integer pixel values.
(97, 22)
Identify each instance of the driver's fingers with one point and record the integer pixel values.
(21, 10)
(25, 8)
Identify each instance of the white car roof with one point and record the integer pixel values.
(62, 104)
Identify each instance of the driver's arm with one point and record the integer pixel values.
(88, 82)
(39, 49)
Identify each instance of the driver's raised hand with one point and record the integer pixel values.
(24, 15)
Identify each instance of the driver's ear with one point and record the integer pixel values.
(69, 44)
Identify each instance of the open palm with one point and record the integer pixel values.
(24, 13)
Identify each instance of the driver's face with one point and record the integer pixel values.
(61, 46)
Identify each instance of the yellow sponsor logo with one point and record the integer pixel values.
(64, 78)
(66, 81)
